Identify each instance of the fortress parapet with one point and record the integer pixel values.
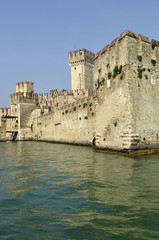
(138, 40)
(137, 52)
(24, 87)
(21, 98)
(55, 99)
(81, 55)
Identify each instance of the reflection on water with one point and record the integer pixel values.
(56, 191)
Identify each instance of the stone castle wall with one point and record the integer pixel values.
(72, 123)
(144, 87)
(138, 61)
(120, 114)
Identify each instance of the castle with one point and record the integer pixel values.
(117, 113)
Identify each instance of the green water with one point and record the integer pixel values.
(55, 191)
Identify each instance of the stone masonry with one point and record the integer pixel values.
(119, 113)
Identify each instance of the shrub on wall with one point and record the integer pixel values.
(140, 71)
(120, 69)
(115, 124)
(109, 75)
(139, 58)
(153, 62)
(155, 44)
(84, 105)
(115, 70)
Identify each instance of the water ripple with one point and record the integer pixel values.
(57, 191)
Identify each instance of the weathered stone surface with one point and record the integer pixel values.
(121, 114)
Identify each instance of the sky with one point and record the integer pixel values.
(36, 36)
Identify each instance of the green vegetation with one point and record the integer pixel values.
(74, 109)
(140, 71)
(139, 58)
(85, 117)
(98, 84)
(146, 76)
(92, 113)
(120, 69)
(84, 105)
(155, 44)
(117, 70)
(99, 70)
(109, 75)
(153, 62)
(66, 111)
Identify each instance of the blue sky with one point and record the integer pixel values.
(36, 35)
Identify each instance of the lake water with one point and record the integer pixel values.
(57, 191)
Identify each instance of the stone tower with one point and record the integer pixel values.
(25, 87)
(81, 63)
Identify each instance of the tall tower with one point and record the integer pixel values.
(81, 63)
(25, 87)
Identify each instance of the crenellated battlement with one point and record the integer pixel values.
(64, 95)
(25, 87)
(19, 97)
(138, 52)
(81, 55)
(127, 33)
(82, 63)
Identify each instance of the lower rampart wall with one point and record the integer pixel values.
(74, 124)
(101, 119)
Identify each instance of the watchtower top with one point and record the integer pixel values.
(81, 55)
(25, 87)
